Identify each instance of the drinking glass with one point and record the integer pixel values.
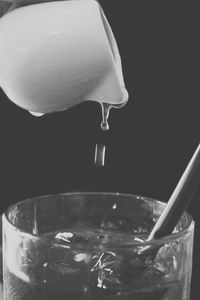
(89, 245)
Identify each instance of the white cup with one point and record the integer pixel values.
(57, 54)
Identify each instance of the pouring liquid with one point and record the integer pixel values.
(100, 149)
(63, 76)
(105, 113)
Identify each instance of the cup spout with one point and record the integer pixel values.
(111, 89)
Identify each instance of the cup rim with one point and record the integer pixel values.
(169, 238)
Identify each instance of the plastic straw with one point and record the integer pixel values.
(179, 199)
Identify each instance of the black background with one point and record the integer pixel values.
(150, 140)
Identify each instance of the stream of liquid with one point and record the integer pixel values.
(100, 149)
(105, 113)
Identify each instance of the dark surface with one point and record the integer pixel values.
(151, 139)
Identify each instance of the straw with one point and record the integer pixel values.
(179, 200)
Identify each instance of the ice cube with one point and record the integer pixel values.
(85, 257)
(105, 273)
(72, 270)
(78, 238)
(156, 271)
(166, 261)
(64, 236)
(131, 267)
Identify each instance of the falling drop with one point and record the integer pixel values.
(99, 158)
(100, 149)
(105, 114)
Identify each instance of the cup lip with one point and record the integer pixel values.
(169, 238)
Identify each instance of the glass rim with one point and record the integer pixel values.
(169, 238)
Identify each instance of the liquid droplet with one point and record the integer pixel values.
(105, 114)
(105, 125)
(99, 159)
